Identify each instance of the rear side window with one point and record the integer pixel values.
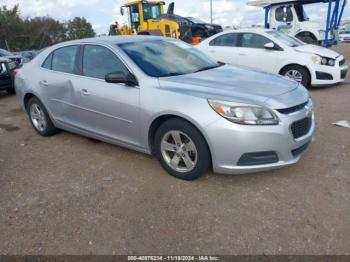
(63, 59)
(250, 40)
(98, 61)
(225, 40)
(48, 62)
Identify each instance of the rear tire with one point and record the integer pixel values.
(40, 119)
(182, 150)
(297, 73)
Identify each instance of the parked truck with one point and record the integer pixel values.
(290, 17)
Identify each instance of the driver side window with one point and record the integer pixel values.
(98, 61)
(250, 40)
(284, 14)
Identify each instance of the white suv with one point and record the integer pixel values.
(278, 53)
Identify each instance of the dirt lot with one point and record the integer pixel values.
(71, 195)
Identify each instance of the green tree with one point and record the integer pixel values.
(43, 31)
(11, 25)
(18, 34)
(79, 28)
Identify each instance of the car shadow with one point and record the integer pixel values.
(329, 87)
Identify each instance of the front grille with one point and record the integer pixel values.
(301, 128)
(292, 109)
(342, 62)
(343, 74)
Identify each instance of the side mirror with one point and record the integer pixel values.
(121, 78)
(270, 46)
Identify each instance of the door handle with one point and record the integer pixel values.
(241, 54)
(84, 92)
(44, 83)
(212, 51)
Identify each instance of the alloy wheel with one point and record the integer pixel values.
(179, 151)
(295, 75)
(38, 118)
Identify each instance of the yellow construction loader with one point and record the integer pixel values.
(147, 17)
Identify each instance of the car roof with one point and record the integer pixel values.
(113, 40)
(257, 30)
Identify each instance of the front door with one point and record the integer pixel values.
(110, 110)
(284, 19)
(254, 54)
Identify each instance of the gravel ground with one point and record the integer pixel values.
(72, 195)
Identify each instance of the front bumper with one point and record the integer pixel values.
(229, 142)
(329, 75)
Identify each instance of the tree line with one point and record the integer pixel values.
(18, 34)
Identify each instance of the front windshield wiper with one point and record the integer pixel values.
(209, 67)
(171, 74)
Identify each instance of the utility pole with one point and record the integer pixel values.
(211, 11)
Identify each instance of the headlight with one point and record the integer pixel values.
(320, 60)
(244, 114)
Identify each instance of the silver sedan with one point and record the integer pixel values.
(163, 97)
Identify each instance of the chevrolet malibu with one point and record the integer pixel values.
(161, 96)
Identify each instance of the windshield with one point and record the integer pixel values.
(160, 58)
(195, 20)
(151, 11)
(302, 16)
(4, 53)
(286, 39)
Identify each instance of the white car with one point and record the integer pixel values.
(344, 36)
(278, 53)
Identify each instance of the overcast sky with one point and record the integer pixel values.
(101, 13)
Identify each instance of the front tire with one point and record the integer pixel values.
(40, 119)
(182, 150)
(297, 73)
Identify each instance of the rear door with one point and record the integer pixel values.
(224, 48)
(56, 85)
(110, 110)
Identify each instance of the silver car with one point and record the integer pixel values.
(163, 97)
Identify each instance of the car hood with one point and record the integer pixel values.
(233, 83)
(317, 50)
